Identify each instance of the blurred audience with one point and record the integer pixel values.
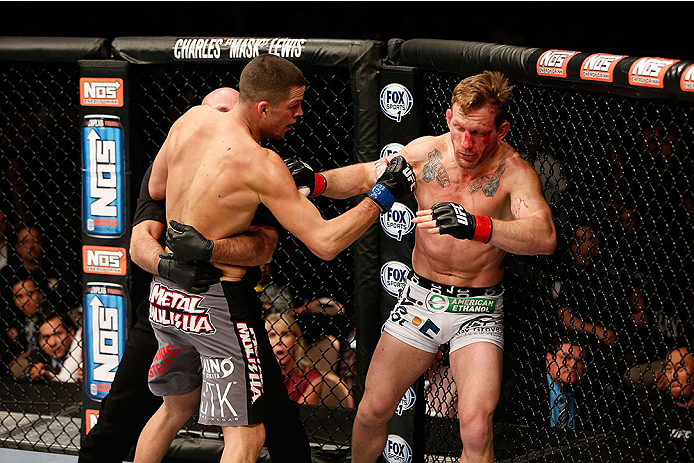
(20, 325)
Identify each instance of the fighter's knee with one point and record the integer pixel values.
(371, 414)
(476, 430)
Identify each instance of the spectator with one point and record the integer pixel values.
(61, 350)
(584, 291)
(550, 394)
(673, 419)
(21, 325)
(304, 383)
(28, 262)
(565, 365)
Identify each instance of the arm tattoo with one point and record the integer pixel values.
(434, 170)
(488, 183)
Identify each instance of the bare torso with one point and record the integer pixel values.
(481, 191)
(207, 156)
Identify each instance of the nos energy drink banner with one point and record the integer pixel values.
(106, 218)
(400, 123)
(105, 306)
(103, 179)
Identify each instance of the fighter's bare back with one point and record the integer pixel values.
(207, 156)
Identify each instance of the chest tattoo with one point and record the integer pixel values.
(488, 183)
(434, 170)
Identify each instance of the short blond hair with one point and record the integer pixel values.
(489, 87)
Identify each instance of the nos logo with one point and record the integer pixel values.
(398, 221)
(393, 275)
(397, 450)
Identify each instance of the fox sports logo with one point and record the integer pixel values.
(391, 148)
(396, 101)
(393, 275)
(397, 450)
(397, 222)
(407, 401)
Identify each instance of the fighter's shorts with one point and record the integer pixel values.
(208, 339)
(430, 314)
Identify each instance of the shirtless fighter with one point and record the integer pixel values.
(480, 200)
(214, 174)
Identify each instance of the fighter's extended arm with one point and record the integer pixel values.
(348, 181)
(327, 238)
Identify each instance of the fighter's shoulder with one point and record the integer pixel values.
(418, 149)
(192, 118)
(515, 165)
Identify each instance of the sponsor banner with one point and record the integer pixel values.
(397, 222)
(466, 305)
(217, 48)
(397, 450)
(650, 72)
(104, 260)
(104, 336)
(103, 177)
(687, 79)
(393, 275)
(600, 67)
(91, 416)
(396, 101)
(553, 63)
(101, 91)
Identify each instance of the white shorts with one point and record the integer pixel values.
(429, 314)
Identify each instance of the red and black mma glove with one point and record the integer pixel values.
(452, 219)
(304, 177)
(396, 182)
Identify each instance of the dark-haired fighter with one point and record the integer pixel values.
(129, 404)
(214, 174)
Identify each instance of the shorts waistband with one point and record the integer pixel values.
(426, 283)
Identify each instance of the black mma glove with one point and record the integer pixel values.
(452, 219)
(305, 178)
(397, 181)
(187, 244)
(195, 277)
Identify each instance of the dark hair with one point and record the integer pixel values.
(270, 78)
(50, 313)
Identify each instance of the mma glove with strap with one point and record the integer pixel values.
(187, 244)
(194, 277)
(452, 219)
(309, 183)
(397, 181)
